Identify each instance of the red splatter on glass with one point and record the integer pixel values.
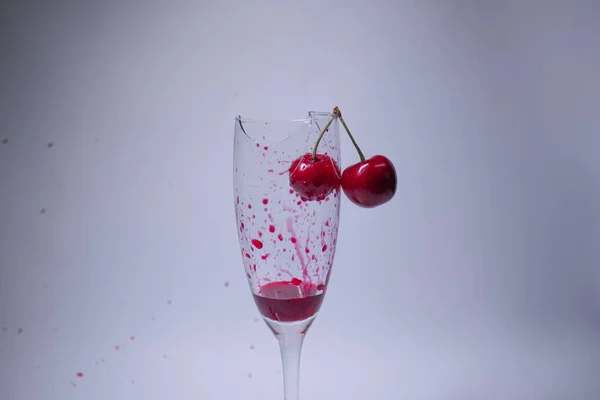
(307, 250)
(257, 243)
(248, 255)
(266, 147)
(296, 282)
(280, 237)
(324, 249)
(264, 257)
(271, 228)
(80, 374)
(259, 234)
(265, 201)
(320, 287)
(257, 144)
(293, 239)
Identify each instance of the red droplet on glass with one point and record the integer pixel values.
(257, 243)
(296, 282)
(271, 228)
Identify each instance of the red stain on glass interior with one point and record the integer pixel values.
(257, 243)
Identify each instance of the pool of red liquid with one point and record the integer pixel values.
(288, 301)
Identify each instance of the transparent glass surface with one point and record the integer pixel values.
(287, 243)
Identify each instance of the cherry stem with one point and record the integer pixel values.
(360, 153)
(314, 153)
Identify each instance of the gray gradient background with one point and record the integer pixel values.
(480, 280)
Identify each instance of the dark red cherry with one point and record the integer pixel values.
(313, 178)
(370, 183)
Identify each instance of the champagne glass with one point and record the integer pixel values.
(287, 242)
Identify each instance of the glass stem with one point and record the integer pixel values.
(291, 347)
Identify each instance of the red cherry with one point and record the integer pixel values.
(314, 178)
(370, 183)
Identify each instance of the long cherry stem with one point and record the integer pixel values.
(360, 153)
(314, 153)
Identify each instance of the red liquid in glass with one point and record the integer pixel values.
(288, 302)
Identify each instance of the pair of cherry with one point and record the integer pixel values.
(368, 183)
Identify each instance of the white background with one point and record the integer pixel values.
(479, 280)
